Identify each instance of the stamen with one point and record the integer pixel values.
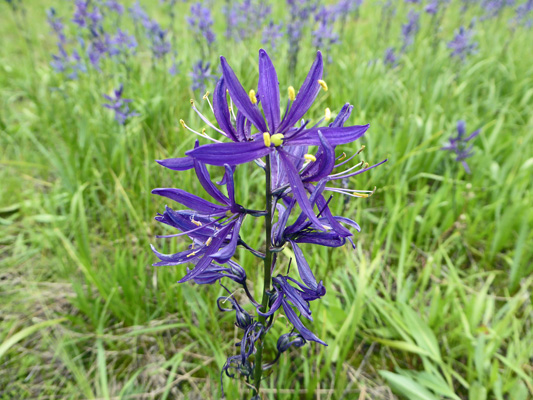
(327, 114)
(192, 102)
(208, 242)
(292, 93)
(277, 139)
(251, 94)
(360, 150)
(205, 136)
(310, 157)
(323, 84)
(342, 157)
(206, 96)
(207, 121)
(266, 138)
(197, 223)
(192, 254)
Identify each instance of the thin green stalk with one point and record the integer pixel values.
(267, 275)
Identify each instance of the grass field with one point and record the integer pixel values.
(435, 302)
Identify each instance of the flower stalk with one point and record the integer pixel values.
(267, 272)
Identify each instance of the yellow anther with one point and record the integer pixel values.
(266, 138)
(251, 94)
(292, 93)
(323, 84)
(208, 242)
(361, 149)
(310, 157)
(192, 254)
(203, 131)
(277, 139)
(192, 102)
(230, 108)
(367, 165)
(342, 157)
(327, 114)
(182, 122)
(197, 223)
(206, 95)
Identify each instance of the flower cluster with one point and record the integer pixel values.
(462, 44)
(459, 145)
(119, 106)
(254, 131)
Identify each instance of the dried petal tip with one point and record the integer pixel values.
(251, 94)
(323, 84)
(327, 113)
(277, 139)
(266, 138)
(310, 157)
(292, 93)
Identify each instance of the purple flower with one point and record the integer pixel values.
(214, 228)
(56, 24)
(410, 29)
(524, 14)
(201, 73)
(201, 21)
(275, 134)
(119, 106)
(84, 17)
(272, 34)
(433, 7)
(462, 44)
(390, 59)
(115, 6)
(459, 145)
(121, 43)
(324, 36)
(239, 17)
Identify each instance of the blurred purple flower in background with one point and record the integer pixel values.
(462, 44)
(272, 34)
(201, 21)
(390, 59)
(459, 145)
(119, 105)
(201, 75)
(410, 29)
(524, 14)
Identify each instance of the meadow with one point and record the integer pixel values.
(434, 302)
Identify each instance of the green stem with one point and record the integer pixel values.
(267, 275)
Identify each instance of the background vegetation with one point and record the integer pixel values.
(435, 302)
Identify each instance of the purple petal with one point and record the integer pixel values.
(335, 136)
(223, 255)
(221, 110)
(306, 95)
(177, 164)
(205, 180)
(328, 239)
(173, 259)
(298, 189)
(324, 164)
(190, 200)
(293, 318)
(230, 153)
(240, 97)
(243, 127)
(268, 90)
(205, 262)
(342, 116)
(230, 184)
(303, 267)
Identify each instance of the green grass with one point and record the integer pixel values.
(434, 303)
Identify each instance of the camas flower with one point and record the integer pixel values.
(463, 44)
(275, 134)
(119, 105)
(459, 145)
(214, 228)
(410, 29)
